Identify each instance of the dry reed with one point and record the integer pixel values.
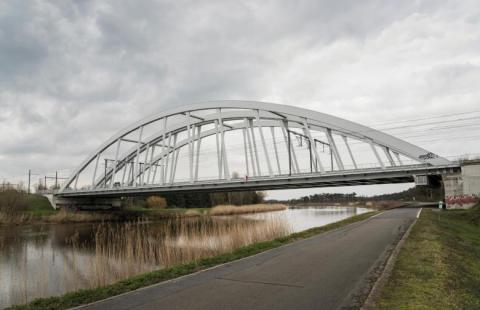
(256, 208)
(121, 250)
(192, 213)
(15, 219)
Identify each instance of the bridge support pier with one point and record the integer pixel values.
(462, 190)
(84, 203)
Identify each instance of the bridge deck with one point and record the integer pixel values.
(402, 174)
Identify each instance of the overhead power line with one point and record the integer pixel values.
(430, 123)
(427, 118)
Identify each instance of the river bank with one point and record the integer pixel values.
(439, 265)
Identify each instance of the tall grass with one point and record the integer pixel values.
(256, 208)
(115, 251)
(136, 247)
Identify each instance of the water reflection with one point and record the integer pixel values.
(301, 219)
(46, 260)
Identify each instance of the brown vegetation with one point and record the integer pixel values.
(12, 204)
(64, 216)
(256, 208)
(192, 213)
(136, 249)
(15, 219)
(12, 201)
(156, 202)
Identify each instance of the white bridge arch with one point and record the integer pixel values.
(273, 140)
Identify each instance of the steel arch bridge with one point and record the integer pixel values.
(239, 145)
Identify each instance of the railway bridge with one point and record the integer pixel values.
(244, 145)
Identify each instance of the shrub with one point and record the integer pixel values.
(156, 202)
(12, 201)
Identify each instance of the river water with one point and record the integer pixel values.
(48, 260)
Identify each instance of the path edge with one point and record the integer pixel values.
(387, 270)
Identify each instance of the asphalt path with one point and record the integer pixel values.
(334, 270)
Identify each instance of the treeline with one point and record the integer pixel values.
(202, 200)
(327, 197)
(419, 193)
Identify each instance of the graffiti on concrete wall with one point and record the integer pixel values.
(461, 201)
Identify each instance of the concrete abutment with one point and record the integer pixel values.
(84, 203)
(462, 190)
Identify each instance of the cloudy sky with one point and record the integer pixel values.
(72, 73)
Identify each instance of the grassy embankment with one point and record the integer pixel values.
(439, 265)
(38, 205)
(90, 295)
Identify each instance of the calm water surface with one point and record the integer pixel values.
(301, 219)
(47, 260)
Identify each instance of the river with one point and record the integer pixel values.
(48, 260)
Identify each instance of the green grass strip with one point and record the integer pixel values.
(85, 296)
(439, 264)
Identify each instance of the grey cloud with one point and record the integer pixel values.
(74, 72)
(21, 50)
(454, 78)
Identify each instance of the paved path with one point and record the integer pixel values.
(329, 271)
